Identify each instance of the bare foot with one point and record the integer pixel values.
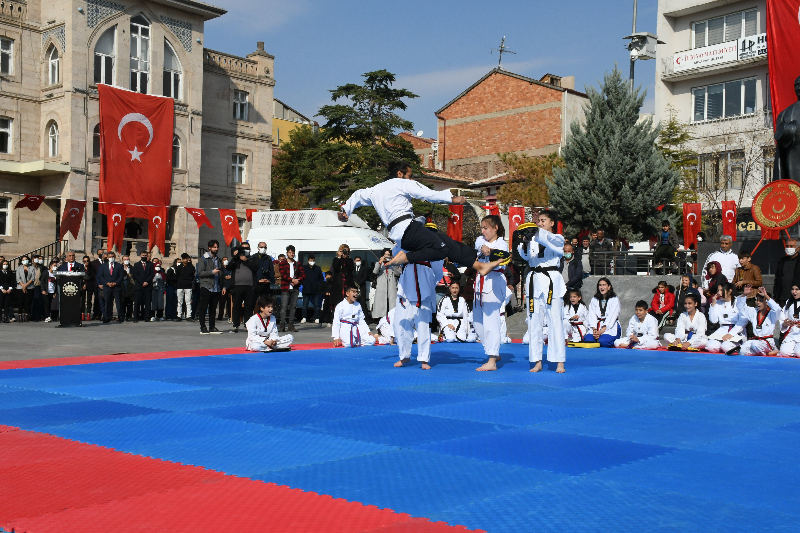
(537, 367)
(401, 362)
(426, 366)
(399, 259)
(560, 369)
(489, 366)
(481, 268)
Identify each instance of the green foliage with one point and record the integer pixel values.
(614, 177)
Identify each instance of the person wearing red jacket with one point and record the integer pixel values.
(663, 304)
(292, 277)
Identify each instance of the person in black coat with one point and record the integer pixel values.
(311, 287)
(574, 274)
(8, 282)
(143, 273)
(110, 278)
(243, 271)
(362, 274)
(787, 273)
(342, 268)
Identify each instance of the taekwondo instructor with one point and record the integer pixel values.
(392, 200)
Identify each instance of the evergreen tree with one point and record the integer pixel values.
(614, 178)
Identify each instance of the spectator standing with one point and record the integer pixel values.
(143, 273)
(276, 267)
(99, 309)
(362, 275)
(243, 270)
(342, 267)
(726, 259)
(111, 279)
(571, 269)
(666, 247)
(128, 286)
(787, 273)
(585, 255)
(226, 302)
(747, 273)
(326, 310)
(39, 309)
(89, 289)
(291, 278)
(185, 274)
(599, 259)
(8, 282)
(159, 287)
(24, 292)
(171, 306)
(385, 285)
(266, 273)
(49, 290)
(210, 274)
(311, 288)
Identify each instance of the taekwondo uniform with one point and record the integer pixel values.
(386, 328)
(259, 330)
(456, 314)
(416, 300)
(726, 314)
(526, 339)
(472, 335)
(504, 338)
(605, 313)
(576, 329)
(790, 335)
(763, 340)
(350, 326)
(490, 293)
(646, 331)
(691, 331)
(544, 292)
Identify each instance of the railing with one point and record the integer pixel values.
(638, 263)
(58, 248)
(229, 62)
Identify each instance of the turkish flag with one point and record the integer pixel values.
(116, 214)
(30, 201)
(249, 213)
(492, 209)
(230, 225)
(516, 216)
(692, 214)
(136, 132)
(455, 224)
(72, 218)
(729, 218)
(199, 217)
(157, 228)
(783, 53)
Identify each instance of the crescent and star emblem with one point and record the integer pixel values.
(229, 217)
(516, 217)
(136, 117)
(729, 211)
(159, 220)
(455, 218)
(782, 209)
(689, 218)
(114, 218)
(76, 212)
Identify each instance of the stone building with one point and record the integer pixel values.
(505, 112)
(53, 55)
(285, 120)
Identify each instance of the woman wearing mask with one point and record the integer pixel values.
(50, 292)
(385, 285)
(343, 269)
(88, 288)
(159, 285)
(8, 282)
(24, 293)
(226, 301)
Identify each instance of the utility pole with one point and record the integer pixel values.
(503, 49)
(633, 32)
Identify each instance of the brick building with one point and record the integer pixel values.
(505, 112)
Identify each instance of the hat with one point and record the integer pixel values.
(432, 226)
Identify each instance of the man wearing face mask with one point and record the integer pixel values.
(362, 275)
(211, 275)
(291, 278)
(127, 286)
(311, 288)
(243, 269)
(143, 273)
(109, 280)
(571, 269)
(99, 307)
(266, 273)
(8, 280)
(787, 273)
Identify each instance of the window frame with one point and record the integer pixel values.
(172, 74)
(137, 73)
(724, 27)
(53, 63)
(723, 84)
(717, 162)
(176, 144)
(96, 139)
(9, 53)
(52, 139)
(241, 107)
(10, 132)
(104, 75)
(5, 210)
(239, 168)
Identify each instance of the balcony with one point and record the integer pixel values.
(720, 57)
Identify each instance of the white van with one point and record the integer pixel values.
(318, 232)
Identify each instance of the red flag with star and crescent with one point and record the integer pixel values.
(729, 218)
(230, 225)
(72, 218)
(199, 216)
(692, 214)
(116, 214)
(516, 216)
(157, 228)
(455, 224)
(136, 132)
(783, 54)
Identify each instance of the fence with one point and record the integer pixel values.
(58, 248)
(638, 263)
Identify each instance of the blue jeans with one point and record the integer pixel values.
(605, 340)
(312, 299)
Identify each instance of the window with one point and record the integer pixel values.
(238, 167)
(176, 152)
(730, 99)
(104, 57)
(769, 162)
(96, 141)
(52, 140)
(54, 63)
(724, 29)
(140, 53)
(172, 73)
(6, 56)
(722, 170)
(240, 105)
(4, 215)
(5, 135)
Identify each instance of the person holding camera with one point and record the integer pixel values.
(343, 269)
(385, 285)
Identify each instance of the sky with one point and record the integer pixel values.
(436, 49)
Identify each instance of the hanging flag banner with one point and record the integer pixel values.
(729, 218)
(30, 201)
(230, 225)
(692, 215)
(72, 218)
(492, 210)
(516, 216)
(157, 228)
(455, 224)
(249, 213)
(116, 215)
(136, 133)
(199, 217)
(784, 54)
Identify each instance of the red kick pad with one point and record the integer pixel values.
(50, 484)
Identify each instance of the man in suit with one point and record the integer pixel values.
(70, 265)
(109, 281)
(143, 274)
(266, 273)
(99, 306)
(362, 276)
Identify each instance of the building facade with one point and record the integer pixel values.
(53, 55)
(285, 120)
(505, 112)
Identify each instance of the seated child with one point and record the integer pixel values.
(603, 315)
(690, 331)
(262, 331)
(762, 320)
(452, 315)
(790, 325)
(642, 333)
(663, 303)
(386, 328)
(723, 311)
(349, 327)
(575, 317)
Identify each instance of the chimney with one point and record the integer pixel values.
(260, 46)
(568, 82)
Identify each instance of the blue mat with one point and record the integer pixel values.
(624, 441)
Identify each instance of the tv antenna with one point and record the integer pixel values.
(503, 49)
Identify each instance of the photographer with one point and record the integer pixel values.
(243, 270)
(385, 285)
(343, 269)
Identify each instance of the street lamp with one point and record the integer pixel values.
(642, 45)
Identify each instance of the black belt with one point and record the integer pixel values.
(398, 220)
(542, 270)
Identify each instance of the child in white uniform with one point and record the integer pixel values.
(690, 331)
(722, 310)
(452, 316)
(642, 332)
(576, 317)
(790, 325)
(349, 328)
(603, 315)
(544, 292)
(763, 319)
(504, 338)
(386, 328)
(262, 329)
(490, 290)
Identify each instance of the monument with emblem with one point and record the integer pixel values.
(70, 286)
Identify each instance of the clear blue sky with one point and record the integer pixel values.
(436, 48)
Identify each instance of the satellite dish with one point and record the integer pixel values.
(419, 133)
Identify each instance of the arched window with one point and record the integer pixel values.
(52, 139)
(104, 52)
(54, 65)
(140, 53)
(176, 152)
(96, 141)
(172, 72)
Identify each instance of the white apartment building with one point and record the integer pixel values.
(712, 74)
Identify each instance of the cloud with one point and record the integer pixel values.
(258, 15)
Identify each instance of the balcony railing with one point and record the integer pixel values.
(231, 63)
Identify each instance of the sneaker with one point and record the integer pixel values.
(153, 319)
(215, 331)
(203, 331)
(48, 319)
(303, 321)
(235, 330)
(162, 319)
(316, 321)
(329, 325)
